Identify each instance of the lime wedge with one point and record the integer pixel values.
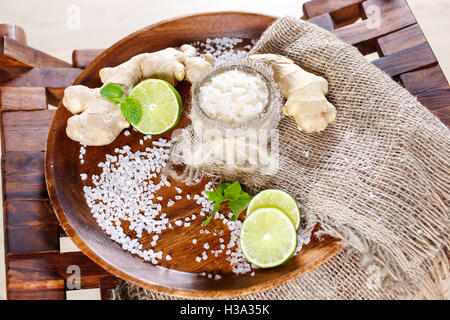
(161, 106)
(268, 237)
(276, 199)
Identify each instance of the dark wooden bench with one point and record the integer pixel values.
(30, 80)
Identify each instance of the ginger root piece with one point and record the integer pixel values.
(305, 93)
(97, 120)
(100, 121)
(169, 64)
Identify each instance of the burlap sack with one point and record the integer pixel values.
(378, 178)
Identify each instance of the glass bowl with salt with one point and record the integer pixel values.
(236, 107)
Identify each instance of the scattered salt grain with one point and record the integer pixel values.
(83, 176)
(126, 133)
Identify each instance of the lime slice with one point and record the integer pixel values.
(276, 199)
(268, 237)
(161, 106)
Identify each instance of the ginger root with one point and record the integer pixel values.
(97, 121)
(305, 93)
(100, 121)
(169, 64)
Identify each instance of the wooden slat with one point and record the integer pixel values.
(38, 77)
(30, 226)
(14, 32)
(444, 115)
(22, 98)
(33, 277)
(107, 284)
(395, 15)
(56, 292)
(55, 95)
(26, 130)
(406, 60)
(342, 11)
(19, 213)
(81, 58)
(403, 39)
(31, 239)
(30, 274)
(22, 55)
(424, 79)
(324, 20)
(23, 176)
(436, 98)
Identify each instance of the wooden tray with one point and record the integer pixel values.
(36, 268)
(181, 275)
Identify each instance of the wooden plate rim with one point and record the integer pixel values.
(120, 274)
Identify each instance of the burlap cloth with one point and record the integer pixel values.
(378, 178)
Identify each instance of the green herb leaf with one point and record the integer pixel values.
(232, 191)
(131, 110)
(238, 205)
(112, 92)
(237, 199)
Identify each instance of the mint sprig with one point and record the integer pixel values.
(237, 198)
(130, 108)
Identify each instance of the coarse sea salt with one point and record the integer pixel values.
(234, 96)
(116, 197)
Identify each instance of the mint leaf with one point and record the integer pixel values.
(131, 110)
(215, 196)
(232, 191)
(238, 205)
(112, 92)
(237, 199)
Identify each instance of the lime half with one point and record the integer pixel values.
(268, 237)
(161, 106)
(277, 199)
